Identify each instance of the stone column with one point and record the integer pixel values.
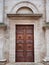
(47, 44)
(2, 43)
(46, 59)
(2, 26)
(1, 49)
(47, 31)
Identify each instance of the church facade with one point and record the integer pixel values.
(24, 30)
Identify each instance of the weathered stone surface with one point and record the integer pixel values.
(41, 37)
(38, 32)
(47, 10)
(25, 63)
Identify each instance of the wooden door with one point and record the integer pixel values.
(24, 43)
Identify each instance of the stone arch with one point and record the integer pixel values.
(24, 4)
(24, 10)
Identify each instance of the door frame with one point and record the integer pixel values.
(16, 19)
(15, 37)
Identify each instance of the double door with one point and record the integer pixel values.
(24, 43)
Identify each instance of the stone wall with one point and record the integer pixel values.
(39, 40)
(38, 6)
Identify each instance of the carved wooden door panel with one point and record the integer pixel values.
(24, 43)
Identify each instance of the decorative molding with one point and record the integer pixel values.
(24, 4)
(3, 26)
(3, 62)
(23, 16)
(46, 26)
(24, 10)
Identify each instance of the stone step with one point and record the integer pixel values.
(25, 63)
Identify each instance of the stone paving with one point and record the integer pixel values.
(26, 63)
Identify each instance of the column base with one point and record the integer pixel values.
(3, 61)
(46, 61)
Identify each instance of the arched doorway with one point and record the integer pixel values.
(19, 15)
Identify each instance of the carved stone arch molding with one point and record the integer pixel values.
(24, 10)
(21, 4)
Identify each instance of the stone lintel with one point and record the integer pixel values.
(23, 16)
